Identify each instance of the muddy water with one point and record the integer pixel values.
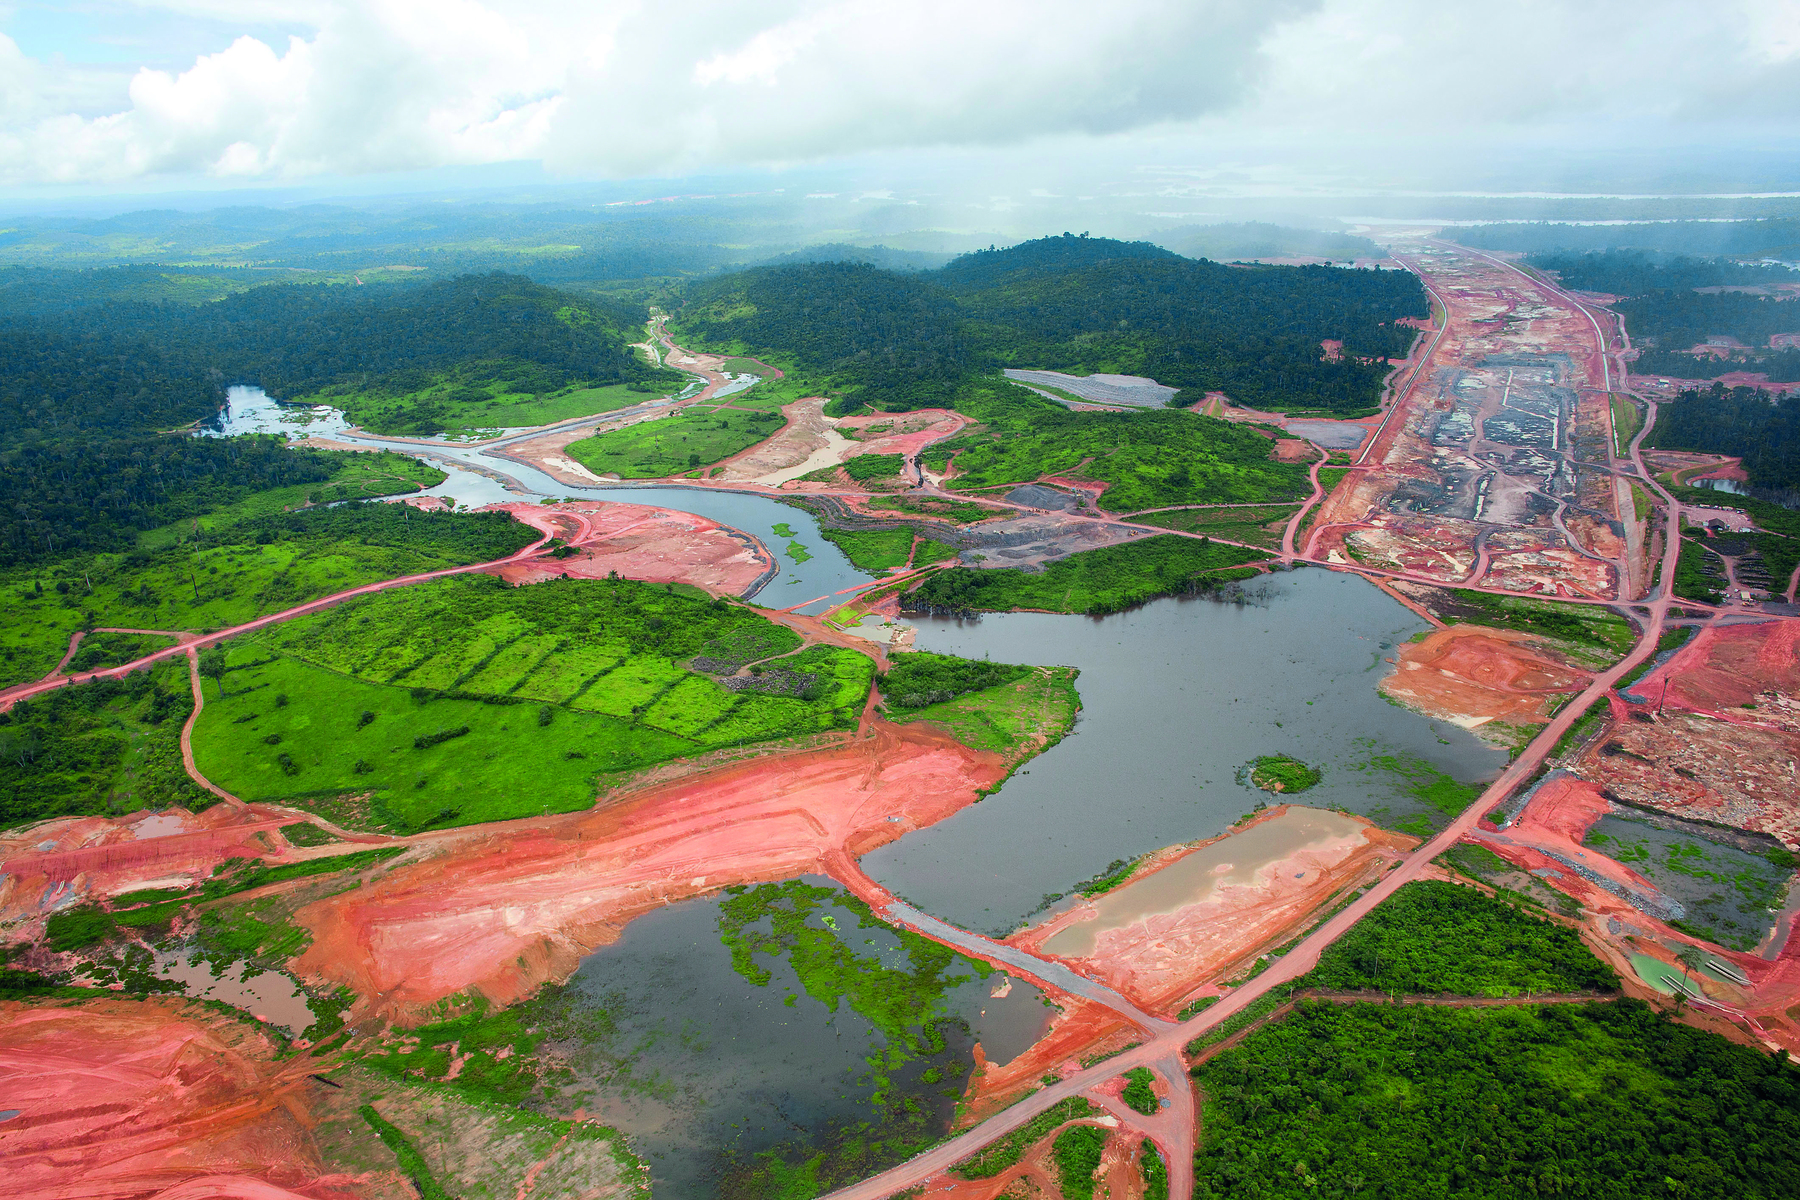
(1177, 696)
(1236, 861)
(700, 1068)
(266, 995)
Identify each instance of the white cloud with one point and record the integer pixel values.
(626, 87)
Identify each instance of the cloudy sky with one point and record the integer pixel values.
(132, 94)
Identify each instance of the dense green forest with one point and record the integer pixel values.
(1605, 1100)
(1094, 581)
(1070, 303)
(1635, 272)
(103, 364)
(1751, 424)
(1677, 320)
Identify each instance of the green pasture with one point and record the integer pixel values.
(1025, 715)
(872, 550)
(481, 396)
(687, 438)
(489, 701)
(226, 577)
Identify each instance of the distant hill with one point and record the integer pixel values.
(1732, 239)
(1076, 304)
(1252, 240)
(885, 257)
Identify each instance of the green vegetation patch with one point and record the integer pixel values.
(906, 1004)
(872, 550)
(689, 437)
(866, 468)
(1154, 1171)
(1004, 1152)
(479, 397)
(1101, 581)
(1729, 893)
(1436, 937)
(219, 578)
(1602, 1099)
(412, 1163)
(1076, 1152)
(98, 749)
(1257, 525)
(918, 679)
(1581, 624)
(1279, 773)
(99, 651)
(960, 511)
(1699, 574)
(1140, 1091)
(556, 683)
(1428, 785)
(1015, 720)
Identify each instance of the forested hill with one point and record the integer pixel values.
(1628, 273)
(1077, 304)
(94, 383)
(1749, 423)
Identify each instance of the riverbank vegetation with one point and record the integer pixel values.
(919, 678)
(1016, 720)
(1280, 773)
(225, 576)
(556, 683)
(1597, 634)
(1442, 938)
(1101, 581)
(1604, 1099)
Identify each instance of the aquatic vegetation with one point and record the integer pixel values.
(1280, 773)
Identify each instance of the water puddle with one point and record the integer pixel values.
(1177, 696)
(266, 995)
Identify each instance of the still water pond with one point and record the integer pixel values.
(1177, 696)
(704, 1069)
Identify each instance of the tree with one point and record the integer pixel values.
(212, 666)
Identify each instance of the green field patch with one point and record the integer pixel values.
(1015, 720)
(482, 396)
(918, 678)
(1004, 1152)
(466, 700)
(98, 650)
(227, 577)
(1094, 581)
(1581, 625)
(1280, 773)
(872, 550)
(960, 511)
(687, 438)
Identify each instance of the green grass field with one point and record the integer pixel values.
(363, 476)
(1259, 525)
(1015, 720)
(1094, 581)
(1626, 420)
(959, 511)
(225, 577)
(489, 702)
(688, 438)
(1590, 631)
(873, 550)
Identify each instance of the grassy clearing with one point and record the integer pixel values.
(1626, 421)
(872, 550)
(465, 700)
(1093, 581)
(227, 577)
(461, 401)
(1442, 938)
(98, 651)
(1603, 1099)
(1015, 720)
(363, 476)
(102, 748)
(687, 438)
(1260, 525)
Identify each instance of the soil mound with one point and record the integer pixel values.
(1471, 676)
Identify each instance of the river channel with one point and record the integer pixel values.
(1177, 696)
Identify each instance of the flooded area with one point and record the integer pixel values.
(1729, 895)
(703, 1068)
(1176, 697)
(1193, 879)
(266, 995)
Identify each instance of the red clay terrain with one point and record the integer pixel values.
(127, 1098)
(1192, 913)
(1470, 676)
(657, 545)
(506, 909)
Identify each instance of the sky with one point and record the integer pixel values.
(1239, 97)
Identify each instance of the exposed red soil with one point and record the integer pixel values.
(124, 1099)
(1294, 450)
(911, 432)
(1472, 675)
(638, 541)
(508, 909)
(1081, 1029)
(1728, 666)
(49, 865)
(1162, 958)
(1333, 348)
